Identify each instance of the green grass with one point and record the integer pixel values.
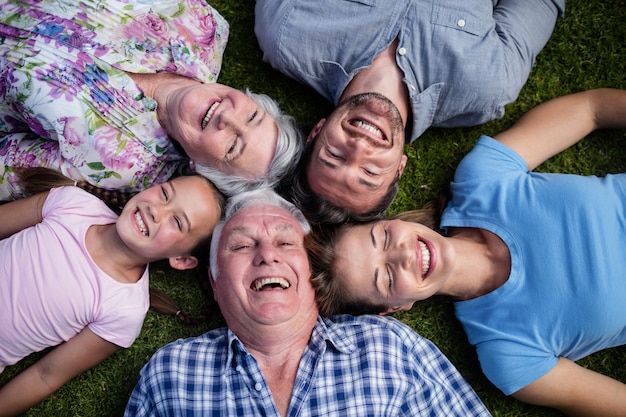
(586, 51)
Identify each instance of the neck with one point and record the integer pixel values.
(483, 264)
(111, 254)
(278, 352)
(383, 77)
(159, 86)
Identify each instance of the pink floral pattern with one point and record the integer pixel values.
(66, 101)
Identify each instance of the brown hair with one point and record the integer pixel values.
(38, 179)
(332, 297)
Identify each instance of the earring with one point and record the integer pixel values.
(192, 166)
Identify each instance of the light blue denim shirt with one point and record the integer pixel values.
(463, 60)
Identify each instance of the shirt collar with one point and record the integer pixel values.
(333, 335)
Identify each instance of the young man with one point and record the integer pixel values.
(430, 63)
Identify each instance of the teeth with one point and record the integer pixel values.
(425, 257)
(364, 125)
(272, 282)
(209, 114)
(141, 224)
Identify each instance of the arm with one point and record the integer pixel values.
(20, 214)
(557, 124)
(82, 352)
(576, 391)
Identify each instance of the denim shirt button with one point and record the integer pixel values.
(402, 51)
(412, 87)
(461, 23)
(258, 386)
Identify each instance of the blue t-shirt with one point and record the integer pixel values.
(566, 294)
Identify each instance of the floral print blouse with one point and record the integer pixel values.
(66, 101)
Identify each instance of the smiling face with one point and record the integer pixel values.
(393, 262)
(222, 127)
(358, 152)
(169, 219)
(264, 273)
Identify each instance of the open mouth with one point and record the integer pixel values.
(263, 284)
(140, 223)
(425, 258)
(374, 130)
(209, 113)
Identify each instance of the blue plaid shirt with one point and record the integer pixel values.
(353, 366)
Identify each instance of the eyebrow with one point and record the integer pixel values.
(184, 214)
(375, 269)
(370, 185)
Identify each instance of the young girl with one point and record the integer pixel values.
(74, 274)
(534, 261)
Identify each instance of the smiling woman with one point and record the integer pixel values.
(131, 101)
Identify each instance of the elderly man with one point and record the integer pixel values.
(278, 357)
(391, 66)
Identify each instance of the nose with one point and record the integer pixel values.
(360, 142)
(157, 212)
(229, 119)
(401, 255)
(266, 254)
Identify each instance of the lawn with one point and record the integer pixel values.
(586, 51)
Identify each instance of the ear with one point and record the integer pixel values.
(184, 262)
(402, 165)
(316, 130)
(395, 309)
(212, 281)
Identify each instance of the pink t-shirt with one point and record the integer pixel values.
(51, 289)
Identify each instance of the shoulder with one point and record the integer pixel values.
(208, 348)
(74, 200)
(376, 330)
(489, 157)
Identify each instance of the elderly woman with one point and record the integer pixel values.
(533, 261)
(122, 94)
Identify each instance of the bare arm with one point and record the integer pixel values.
(576, 391)
(82, 352)
(20, 214)
(557, 124)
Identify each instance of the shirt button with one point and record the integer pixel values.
(258, 386)
(402, 51)
(461, 23)
(239, 368)
(412, 87)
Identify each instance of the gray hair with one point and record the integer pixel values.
(289, 145)
(246, 199)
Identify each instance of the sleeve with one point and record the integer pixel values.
(121, 327)
(488, 158)
(123, 311)
(511, 366)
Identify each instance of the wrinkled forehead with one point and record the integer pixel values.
(259, 219)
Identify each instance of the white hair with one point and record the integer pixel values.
(265, 196)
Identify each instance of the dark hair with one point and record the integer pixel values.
(331, 296)
(39, 179)
(321, 211)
